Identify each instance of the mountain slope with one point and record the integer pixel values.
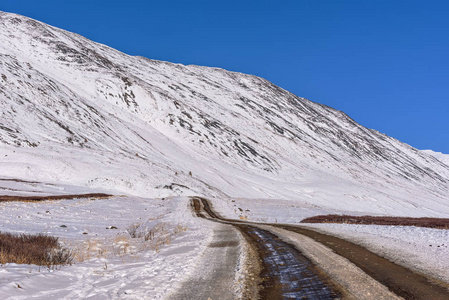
(77, 112)
(438, 155)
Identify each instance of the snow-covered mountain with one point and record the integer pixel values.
(77, 112)
(441, 156)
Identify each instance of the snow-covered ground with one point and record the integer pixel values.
(109, 264)
(425, 250)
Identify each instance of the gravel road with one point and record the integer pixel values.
(294, 262)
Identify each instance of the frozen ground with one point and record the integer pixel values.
(110, 264)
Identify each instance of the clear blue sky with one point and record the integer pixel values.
(384, 63)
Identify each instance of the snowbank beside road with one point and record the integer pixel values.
(425, 250)
(111, 264)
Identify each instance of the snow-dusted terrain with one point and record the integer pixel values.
(441, 156)
(77, 112)
(80, 117)
(109, 264)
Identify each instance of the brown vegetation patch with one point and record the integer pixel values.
(40, 249)
(58, 197)
(20, 180)
(371, 220)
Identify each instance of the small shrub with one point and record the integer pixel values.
(439, 223)
(122, 245)
(133, 230)
(148, 236)
(40, 249)
(179, 228)
(47, 198)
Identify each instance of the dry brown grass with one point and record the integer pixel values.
(88, 250)
(156, 237)
(118, 246)
(163, 235)
(438, 223)
(42, 250)
(180, 228)
(46, 198)
(138, 239)
(122, 245)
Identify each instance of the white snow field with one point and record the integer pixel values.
(109, 264)
(79, 117)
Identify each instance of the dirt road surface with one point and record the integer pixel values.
(214, 276)
(296, 262)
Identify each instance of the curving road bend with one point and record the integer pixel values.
(300, 263)
(285, 272)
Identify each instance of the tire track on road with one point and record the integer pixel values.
(286, 273)
(400, 280)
